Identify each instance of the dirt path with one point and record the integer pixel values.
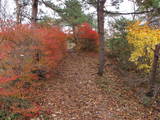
(77, 93)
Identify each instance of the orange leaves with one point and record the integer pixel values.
(7, 79)
(21, 45)
(4, 92)
(2, 55)
(53, 42)
(29, 112)
(23, 51)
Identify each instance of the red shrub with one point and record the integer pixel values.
(7, 79)
(24, 50)
(21, 44)
(53, 45)
(88, 38)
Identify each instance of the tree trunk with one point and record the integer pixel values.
(34, 11)
(18, 12)
(154, 71)
(100, 16)
(74, 34)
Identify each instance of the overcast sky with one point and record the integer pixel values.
(126, 6)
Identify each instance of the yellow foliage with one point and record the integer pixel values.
(143, 38)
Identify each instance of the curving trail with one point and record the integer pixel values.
(77, 93)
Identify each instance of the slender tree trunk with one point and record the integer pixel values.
(33, 21)
(74, 34)
(154, 70)
(18, 12)
(100, 16)
(34, 11)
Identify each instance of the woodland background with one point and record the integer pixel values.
(78, 65)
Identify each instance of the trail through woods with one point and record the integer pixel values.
(77, 93)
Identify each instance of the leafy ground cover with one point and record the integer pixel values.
(77, 93)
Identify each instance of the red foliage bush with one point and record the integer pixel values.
(88, 39)
(53, 45)
(21, 44)
(23, 50)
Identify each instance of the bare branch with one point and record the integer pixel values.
(131, 13)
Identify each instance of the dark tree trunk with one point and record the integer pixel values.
(34, 21)
(34, 11)
(154, 71)
(74, 34)
(18, 12)
(100, 16)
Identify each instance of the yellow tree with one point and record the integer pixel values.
(144, 39)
